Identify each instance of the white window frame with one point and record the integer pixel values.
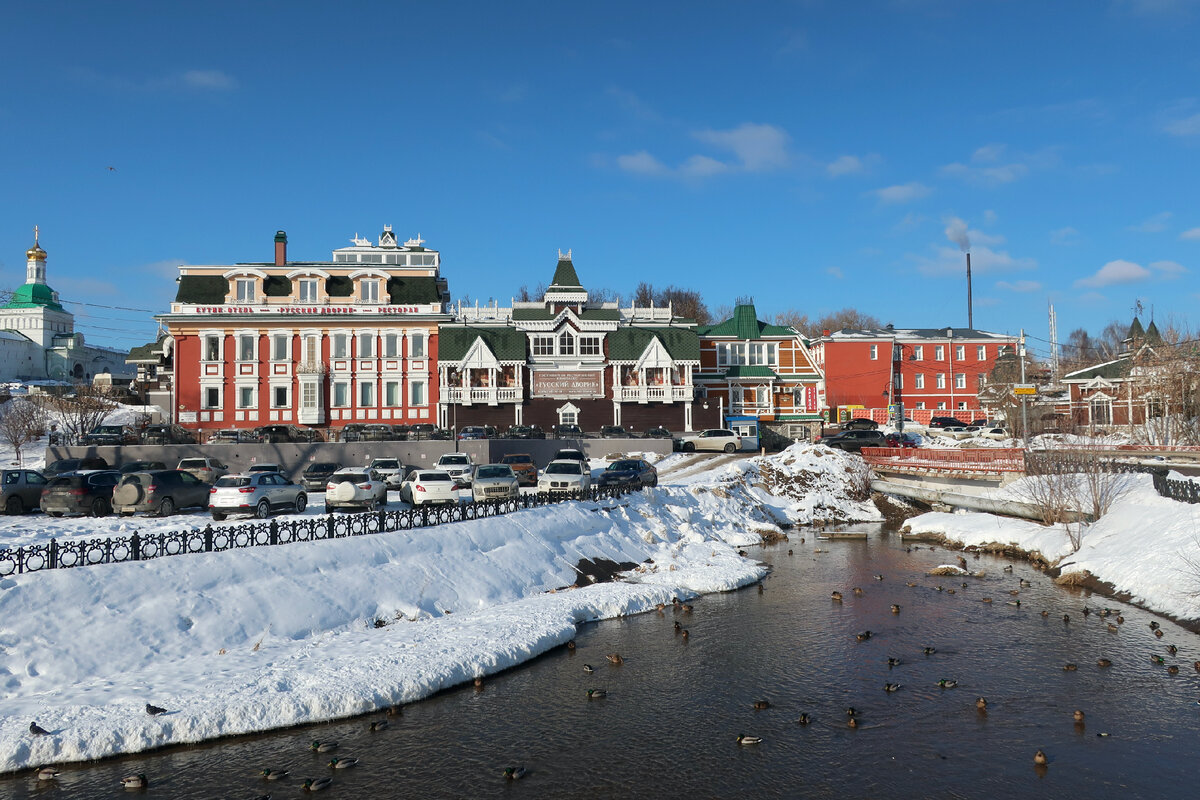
(960, 352)
(242, 402)
(287, 394)
(392, 398)
(368, 290)
(941, 406)
(205, 338)
(366, 394)
(418, 394)
(919, 352)
(981, 352)
(919, 380)
(339, 346)
(241, 337)
(874, 352)
(590, 346)
(416, 345)
(391, 345)
(962, 405)
(939, 353)
(960, 380)
(311, 348)
(566, 343)
(921, 406)
(286, 354)
(308, 290)
(205, 391)
(941, 380)
(366, 345)
(542, 345)
(244, 290)
(1097, 403)
(342, 386)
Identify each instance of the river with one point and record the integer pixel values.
(668, 725)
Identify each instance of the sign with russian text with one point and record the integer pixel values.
(567, 384)
(1024, 388)
(290, 310)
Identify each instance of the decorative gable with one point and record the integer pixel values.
(480, 356)
(655, 356)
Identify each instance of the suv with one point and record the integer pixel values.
(613, 432)
(380, 432)
(570, 454)
(206, 469)
(525, 432)
(110, 435)
(458, 465)
(391, 470)
(565, 476)
(141, 466)
(422, 431)
(167, 434)
(159, 491)
(350, 432)
(316, 475)
(854, 441)
(477, 432)
(21, 490)
(944, 422)
(522, 466)
(256, 494)
(495, 481)
(712, 439)
(74, 465)
(287, 433)
(80, 493)
(355, 488)
(659, 433)
(569, 432)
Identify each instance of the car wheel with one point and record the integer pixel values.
(101, 507)
(14, 506)
(301, 503)
(166, 508)
(731, 448)
(263, 509)
(689, 447)
(218, 516)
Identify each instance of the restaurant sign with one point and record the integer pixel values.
(568, 384)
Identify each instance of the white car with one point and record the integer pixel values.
(566, 475)
(718, 439)
(494, 482)
(425, 486)
(391, 470)
(355, 488)
(459, 466)
(257, 493)
(999, 434)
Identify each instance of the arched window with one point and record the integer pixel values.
(566, 344)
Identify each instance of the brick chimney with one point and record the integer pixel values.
(280, 248)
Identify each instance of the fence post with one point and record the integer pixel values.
(329, 526)
(273, 532)
(135, 546)
(53, 554)
(208, 536)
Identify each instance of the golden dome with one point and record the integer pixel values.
(35, 253)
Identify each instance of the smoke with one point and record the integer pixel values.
(956, 231)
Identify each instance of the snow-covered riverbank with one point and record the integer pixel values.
(268, 637)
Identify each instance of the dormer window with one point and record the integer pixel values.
(245, 290)
(368, 291)
(308, 288)
(566, 344)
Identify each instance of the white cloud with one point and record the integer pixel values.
(1115, 272)
(985, 167)
(901, 193)
(1006, 173)
(702, 167)
(988, 153)
(1168, 269)
(984, 260)
(213, 79)
(1064, 236)
(836, 272)
(1191, 235)
(1188, 126)
(757, 147)
(642, 163)
(990, 216)
(852, 165)
(1155, 224)
(1019, 286)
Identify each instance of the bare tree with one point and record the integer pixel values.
(722, 313)
(81, 410)
(794, 318)
(846, 318)
(643, 295)
(684, 303)
(21, 422)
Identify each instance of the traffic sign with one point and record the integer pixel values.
(1024, 388)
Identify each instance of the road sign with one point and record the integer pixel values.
(1024, 389)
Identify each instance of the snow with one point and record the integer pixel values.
(267, 637)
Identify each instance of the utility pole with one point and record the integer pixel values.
(896, 393)
(1024, 409)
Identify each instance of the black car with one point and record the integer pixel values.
(860, 424)
(629, 471)
(659, 433)
(142, 466)
(569, 432)
(74, 464)
(167, 434)
(109, 435)
(613, 432)
(945, 422)
(854, 441)
(380, 432)
(288, 433)
(80, 493)
(525, 432)
(422, 431)
(316, 475)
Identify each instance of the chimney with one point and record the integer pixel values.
(970, 316)
(280, 248)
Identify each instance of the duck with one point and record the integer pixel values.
(789, 552)
(595, 694)
(615, 658)
(1014, 603)
(893, 662)
(513, 773)
(684, 633)
(857, 592)
(1154, 625)
(38, 730)
(1069, 667)
(1120, 620)
(478, 683)
(1173, 669)
(685, 608)
(138, 781)
(951, 591)
(760, 588)
(862, 637)
(1172, 649)
(963, 584)
(1026, 584)
(895, 608)
(891, 687)
(852, 722)
(1008, 568)
(947, 684)
(273, 774)
(47, 774)
(804, 719)
(589, 669)
(154, 711)
(1103, 662)
(1045, 613)
(1158, 660)
(744, 739)
(379, 725)
(877, 577)
(987, 599)
(316, 785)
(929, 650)
(1039, 758)
(1158, 634)
(343, 763)
(1066, 617)
(1078, 715)
(571, 645)
(318, 746)
(981, 703)
(678, 627)
(910, 584)
(1112, 628)
(836, 597)
(851, 712)
(760, 705)
(1086, 611)
(1197, 666)
(659, 608)
(940, 588)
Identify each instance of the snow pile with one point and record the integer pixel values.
(261, 638)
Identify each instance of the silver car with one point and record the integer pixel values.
(567, 475)
(258, 494)
(494, 482)
(355, 488)
(391, 470)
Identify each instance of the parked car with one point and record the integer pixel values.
(351, 432)
(613, 432)
(659, 433)
(571, 454)
(259, 494)
(379, 432)
(288, 433)
(429, 486)
(523, 466)
(74, 465)
(944, 422)
(525, 432)
(316, 475)
(235, 436)
(206, 469)
(391, 470)
(458, 466)
(565, 476)
(109, 435)
(265, 467)
(355, 488)
(422, 431)
(141, 466)
(999, 434)
(719, 439)
(956, 433)
(629, 472)
(167, 434)
(859, 424)
(477, 432)
(80, 493)
(21, 490)
(854, 441)
(903, 440)
(569, 432)
(494, 482)
(161, 491)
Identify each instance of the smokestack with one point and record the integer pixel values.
(970, 316)
(281, 249)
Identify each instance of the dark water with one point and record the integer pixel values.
(668, 726)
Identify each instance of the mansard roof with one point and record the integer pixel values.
(628, 343)
(506, 343)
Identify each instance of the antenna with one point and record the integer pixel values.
(1053, 346)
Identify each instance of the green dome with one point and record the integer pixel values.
(30, 295)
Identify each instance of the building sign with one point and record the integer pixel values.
(187, 416)
(564, 384)
(291, 310)
(810, 399)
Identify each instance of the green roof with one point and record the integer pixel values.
(1111, 370)
(507, 344)
(628, 344)
(202, 289)
(33, 295)
(564, 275)
(146, 352)
(608, 314)
(422, 289)
(744, 324)
(750, 372)
(531, 314)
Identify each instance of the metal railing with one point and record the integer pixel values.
(137, 547)
(919, 459)
(1182, 491)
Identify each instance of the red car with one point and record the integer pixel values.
(903, 440)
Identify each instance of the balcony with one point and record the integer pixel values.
(482, 395)
(654, 394)
(311, 368)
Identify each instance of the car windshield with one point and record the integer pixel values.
(321, 467)
(517, 460)
(623, 466)
(352, 477)
(493, 472)
(575, 454)
(565, 468)
(233, 481)
(66, 480)
(109, 429)
(385, 463)
(432, 476)
(454, 460)
(193, 463)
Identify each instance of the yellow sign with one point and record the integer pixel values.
(1024, 389)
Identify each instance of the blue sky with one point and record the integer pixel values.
(810, 154)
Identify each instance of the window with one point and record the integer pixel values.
(312, 349)
(589, 345)
(246, 347)
(762, 354)
(941, 380)
(245, 290)
(981, 353)
(279, 397)
(391, 345)
(371, 258)
(369, 291)
(960, 352)
(366, 395)
(960, 380)
(212, 348)
(366, 345)
(308, 395)
(737, 354)
(279, 346)
(308, 290)
(341, 345)
(919, 380)
(212, 396)
(345, 257)
(417, 393)
(417, 346)
(245, 397)
(566, 344)
(391, 393)
(1154, 407)
(962, 406)
(543, 345)
(921, 406)
(919, 352)
(941, 406)
(939, 353)
(874, 352)
(341, 394)
(1101, 411)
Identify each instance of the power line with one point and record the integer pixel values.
(115, 308)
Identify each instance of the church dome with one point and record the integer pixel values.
(30, 295)
(35, 253)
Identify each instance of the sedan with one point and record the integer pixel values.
(316, 475)
(355, 488)
(659, 433)
(566, 476)
(998, 434)
(21, 490)
(258, 494)
(391, 470)
(629, 472)
(495, 482)
(612, 432)
(569, 432)
(429, 486)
